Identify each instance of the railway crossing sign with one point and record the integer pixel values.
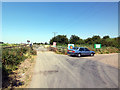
(70, 46)
(97, 46)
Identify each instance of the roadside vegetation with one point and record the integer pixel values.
(104, 50)
(12, 58)
(7, 44)
(109, 45)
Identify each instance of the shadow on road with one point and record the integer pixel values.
(81, 56)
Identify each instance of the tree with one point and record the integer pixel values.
(106, 41)
(35, 43)
(80, 41)
(106, 37)
(41, 43)
(96, 39)
(46, 43)
(60, 39)
(117, 41)
(1, 42)
(74, 39)
(88, 41)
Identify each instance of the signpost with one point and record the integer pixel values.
(28, 41)
(70, 46)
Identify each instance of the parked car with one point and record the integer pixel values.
(79, 51)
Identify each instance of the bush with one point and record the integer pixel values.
(24, 50)
(33, 52)
(11, 58)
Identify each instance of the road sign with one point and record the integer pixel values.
(97, 45)
(54, 44)
(70, 46)
(28, 41)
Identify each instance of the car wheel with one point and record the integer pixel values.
(92, 54)
(79, 55)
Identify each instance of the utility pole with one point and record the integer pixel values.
(54, 33)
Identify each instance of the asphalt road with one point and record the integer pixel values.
(63, 71)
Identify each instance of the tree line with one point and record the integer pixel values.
(96, 39)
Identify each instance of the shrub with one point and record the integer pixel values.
(33, 52)
(11, 58)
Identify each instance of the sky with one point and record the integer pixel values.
(36, 21)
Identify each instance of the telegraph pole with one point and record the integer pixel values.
(54, 33)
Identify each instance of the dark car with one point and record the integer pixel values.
(79, 51)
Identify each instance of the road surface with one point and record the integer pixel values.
(63, 71)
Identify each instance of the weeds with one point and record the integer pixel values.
(12, 57)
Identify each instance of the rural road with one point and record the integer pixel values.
(62, 71)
